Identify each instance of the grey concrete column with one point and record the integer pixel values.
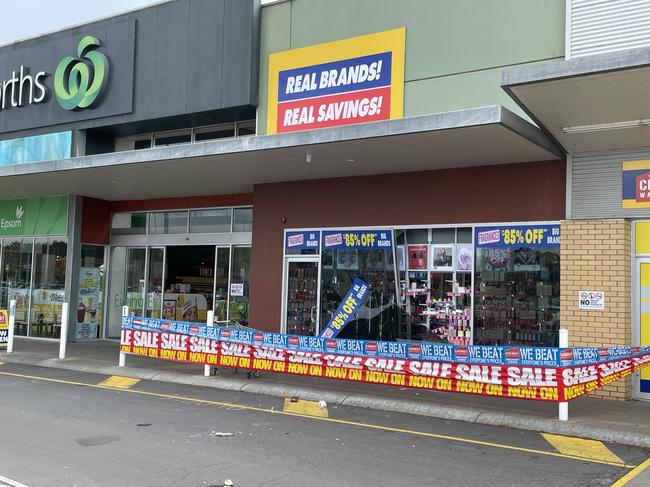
(73, 261)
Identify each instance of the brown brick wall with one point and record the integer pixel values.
(595, 256)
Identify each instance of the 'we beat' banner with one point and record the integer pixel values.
(355, 80)
(582, 372)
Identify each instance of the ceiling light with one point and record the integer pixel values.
(350, 160)
(308, 157)
(602, 127)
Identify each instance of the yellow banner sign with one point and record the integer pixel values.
(4, 328)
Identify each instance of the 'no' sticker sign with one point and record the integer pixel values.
(591, 300)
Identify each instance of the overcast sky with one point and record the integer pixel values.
(33, 17)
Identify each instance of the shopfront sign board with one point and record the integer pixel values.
(635, 180)
(302, 240)
(355, 80)
(357, 239)
(68, 77)
(36, 216)
(517, 236)
(591, 300)
(4, 328)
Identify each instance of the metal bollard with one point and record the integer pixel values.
(63, 339)
(122, 359)
(12, 326)
(209, 322)
(563, 407)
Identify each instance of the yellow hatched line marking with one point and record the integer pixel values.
(631, 474)
(243, 407)
(579, 447)
(308, 408)
(119, 382)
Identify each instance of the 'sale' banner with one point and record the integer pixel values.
(552, 383)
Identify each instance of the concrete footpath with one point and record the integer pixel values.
(599, 419)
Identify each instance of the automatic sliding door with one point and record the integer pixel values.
(154, 282)
(126, 286)
(221, 286)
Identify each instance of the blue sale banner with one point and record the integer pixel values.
(347, 309)
(517, 236)
(361, 73)
(357, 239)
(302, 240)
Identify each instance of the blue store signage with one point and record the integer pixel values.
(517, 236)
(358, 239)
(302, 240)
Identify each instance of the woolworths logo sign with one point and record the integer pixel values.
(37, 216)
(79, 82)
(13, 223)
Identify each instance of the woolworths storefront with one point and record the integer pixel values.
(33, 258)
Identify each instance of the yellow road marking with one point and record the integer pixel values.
(579, 447)
(243, 407)
(119, 382)
(631, 474)
(308, 408)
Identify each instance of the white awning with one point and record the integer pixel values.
(592, 103)
(476, 137)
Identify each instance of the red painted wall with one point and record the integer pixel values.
(513, 192)
(182, 203)
(96, 216)
(95, 221)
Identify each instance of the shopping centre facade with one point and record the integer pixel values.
(199, 155)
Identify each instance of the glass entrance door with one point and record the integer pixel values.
(126, 286)
(302, 296)
(642, 331)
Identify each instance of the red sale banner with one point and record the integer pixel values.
(558, 384)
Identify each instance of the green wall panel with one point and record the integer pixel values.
(455, 49)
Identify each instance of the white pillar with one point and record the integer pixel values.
(122, 360)
(63, 339)
(12, 325)
(564, 406)
(209, 322)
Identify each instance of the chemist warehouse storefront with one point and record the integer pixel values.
(451, 218)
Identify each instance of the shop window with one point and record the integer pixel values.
(377, 319)
(417, 236)
(240, 284)
(16, 279)
(221, 284)
(168, 222)
(517, 296)
(464, 235)
(211, 221)
(129, 224)
(243, 220)
(245, 129)
(217, 132)
(173, 138)
(48, 291)
(142, 143)
(442, 235)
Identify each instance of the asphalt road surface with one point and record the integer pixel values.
(62, 428)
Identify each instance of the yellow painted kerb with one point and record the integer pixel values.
(119, 382)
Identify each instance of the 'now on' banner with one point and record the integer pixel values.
(544, 383)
